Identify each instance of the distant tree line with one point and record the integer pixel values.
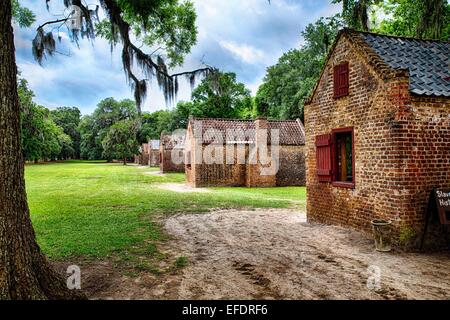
(47, 134)
(115, 129)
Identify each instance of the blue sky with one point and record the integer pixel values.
(241, 36)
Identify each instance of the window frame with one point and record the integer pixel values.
(334, 160)
(337, 86)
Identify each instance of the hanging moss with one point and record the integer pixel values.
(131, 54)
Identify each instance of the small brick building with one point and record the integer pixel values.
(233, 142)
(171, 153)
(378, 132)
(143, 157)
(153, 153)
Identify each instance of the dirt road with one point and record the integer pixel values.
(275, 254)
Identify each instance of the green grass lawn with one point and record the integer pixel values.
(97, 210)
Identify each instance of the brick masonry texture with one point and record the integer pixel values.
(154, 158)
(153, 153)
(166, 150)
(143, 158)
(401, 142)
(292, 170)
(292, 160)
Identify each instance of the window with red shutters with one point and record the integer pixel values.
(340, 80)
(323, 158)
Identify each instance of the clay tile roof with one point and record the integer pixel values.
(171, 141)
(213, 129)
(291, 131)
(427, 61)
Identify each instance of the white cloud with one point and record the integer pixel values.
(237, 36)
(246, 53)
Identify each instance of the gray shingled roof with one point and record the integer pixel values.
(291, 132)
(428, 62)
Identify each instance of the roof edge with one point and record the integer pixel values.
(359, 44)
(398, 37)
(241, 120)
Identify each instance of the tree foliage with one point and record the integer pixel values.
(68, 118)
(42, 138)
(153, 123)
(356, 12)
(24, 17)
(94, 128)
(90, 144)
(167, 27)
(120, 141)
(289, 82)
(415, 18)
(220, 95)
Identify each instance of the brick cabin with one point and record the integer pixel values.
(153, 153)
(169, 146)
(227, 170)
(143, 157)
(378, 133)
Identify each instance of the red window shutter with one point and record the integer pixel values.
(336, 79)
(323, 157)
(340, 80)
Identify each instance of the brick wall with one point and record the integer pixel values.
(291, 172)
(167, 164)
(254, 178)
(208, 175)
(401, 148)
(143, 158)
(154, 158)
(292, 166)
(423, 141)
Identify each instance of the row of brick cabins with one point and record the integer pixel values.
(148, 154)
(159, 153)
(181, 151)
(377, 136)
(378, 133)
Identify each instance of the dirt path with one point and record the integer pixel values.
(275, 254)
(181, 187)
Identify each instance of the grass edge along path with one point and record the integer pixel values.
(99, 210)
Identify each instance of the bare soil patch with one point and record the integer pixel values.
(154, 173)
(273, 254)
(181, 187)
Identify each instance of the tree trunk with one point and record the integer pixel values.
(124, 161)
(25, 273)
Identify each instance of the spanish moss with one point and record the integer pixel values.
(131, 54)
